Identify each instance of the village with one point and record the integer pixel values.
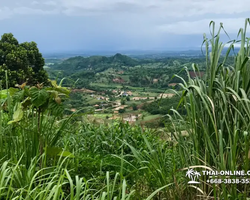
(119, 104)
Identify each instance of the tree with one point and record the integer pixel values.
(121, 110)
(134, 106)
(123, 101)
(22, 62)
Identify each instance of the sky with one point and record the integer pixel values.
(119, 25)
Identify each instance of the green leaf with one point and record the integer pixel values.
(57, 151)
(53, 83)
(18, 114)
(66, 154)
(38, 97)
(12, 91)
(63, 90)
(53, 151)
(26, 102)
(3, 94)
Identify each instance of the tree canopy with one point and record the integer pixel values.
(22, 61)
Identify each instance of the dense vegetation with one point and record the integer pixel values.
(156, 73)
(45, 154)
(163, 106)
(121, 69)
(23, 62)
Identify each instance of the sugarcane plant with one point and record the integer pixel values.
(218, 112)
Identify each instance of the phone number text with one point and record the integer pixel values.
(228, 181)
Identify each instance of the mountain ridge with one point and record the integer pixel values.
(92, 62)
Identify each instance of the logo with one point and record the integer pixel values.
(193, 175)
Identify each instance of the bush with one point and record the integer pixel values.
(134, 106)
(121, 110)
(123, 101)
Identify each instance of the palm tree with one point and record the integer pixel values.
(196, 174)
(190, 173)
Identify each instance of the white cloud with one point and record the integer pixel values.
(231, 25)
(164, 16)
(174, 8)
(177, 9)
(141, 16)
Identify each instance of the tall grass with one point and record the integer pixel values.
(17, 182)
(90, 169)
(46, 156)
(218, 113)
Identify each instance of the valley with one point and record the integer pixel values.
(120, 87)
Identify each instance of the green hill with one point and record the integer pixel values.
(95, 63)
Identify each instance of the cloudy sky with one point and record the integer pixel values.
(116, 25)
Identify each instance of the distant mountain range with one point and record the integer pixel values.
(158, 54)
(141, 54)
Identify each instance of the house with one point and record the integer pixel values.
(155, 80)
(103, 98)
(125, 94)
(166, 95)
(140, 98)
(129, 93)
(122, 93)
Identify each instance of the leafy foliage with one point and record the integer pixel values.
(23, 62)
(164, 106)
